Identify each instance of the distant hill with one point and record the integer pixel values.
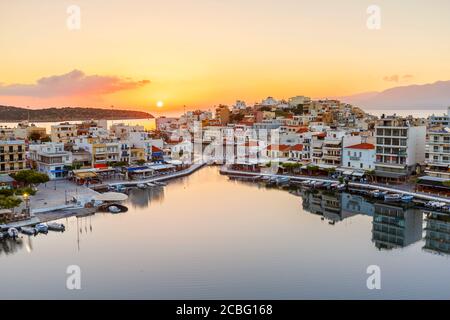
(8, 113)
(433, 95)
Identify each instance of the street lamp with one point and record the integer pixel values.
(27, 202)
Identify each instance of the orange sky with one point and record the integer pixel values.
(199, 53)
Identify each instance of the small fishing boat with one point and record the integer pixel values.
(54, 226)
(149, 184)
(141, 186)
(13, 233)
(318, 184)
(282, 180)
(407, 198)
(306, 182)
(160, 183)
(42, 228)
(392, 197)
(114, 209)
(28, 231)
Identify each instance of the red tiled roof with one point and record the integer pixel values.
(302, 130)
(365, 146)
(297, 147)
(156, 149)
(281, 147)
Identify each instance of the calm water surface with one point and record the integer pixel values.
(205, 236)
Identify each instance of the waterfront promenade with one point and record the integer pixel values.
(418, 195)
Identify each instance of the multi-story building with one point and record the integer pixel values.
(103, 151)
(223, 114)
(63, 132)
(440, 121)
(50, 158)
(438, 153)
(400, 148)
(437, 233)
(12, 156)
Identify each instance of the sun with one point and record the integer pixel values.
(160, 104)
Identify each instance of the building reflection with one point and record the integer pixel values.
(437, 233)
(334, 206)
(142, 198)
(393, 225)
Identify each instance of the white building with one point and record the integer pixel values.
(359, 157)
(50, 158)
(400, 147)
(438, 153)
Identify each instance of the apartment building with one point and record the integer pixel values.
(400, 148)
(438, 153)
(50, 158)
(12, 156)
(63, 132)
(102, 151)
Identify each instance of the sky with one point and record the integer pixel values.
(200, 53)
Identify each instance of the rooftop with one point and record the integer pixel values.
(363, 146)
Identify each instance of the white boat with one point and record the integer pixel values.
(160, 183)
(54, 226)
(149, 184)
(393, 197)
(114, 209)
(42, 227)
(141, 186)
(28, 231)
(13, 233)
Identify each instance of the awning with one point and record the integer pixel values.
(84, 175)
(347, 173)
(358, 174)
(111, 196)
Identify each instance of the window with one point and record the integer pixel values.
(361, 165)
(349, 165)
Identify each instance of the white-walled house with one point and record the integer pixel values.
(359, 157)
(50, 158)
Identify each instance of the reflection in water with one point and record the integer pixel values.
(205, 237)
(10, 246)
(139, 198)
(393, 225)
(437, 233)
(396, 226)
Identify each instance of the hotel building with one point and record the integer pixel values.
(12, 156)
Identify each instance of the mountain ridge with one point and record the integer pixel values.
(13, 114)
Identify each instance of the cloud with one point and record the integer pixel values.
(393, 78)
(397, 78)
(74, 83)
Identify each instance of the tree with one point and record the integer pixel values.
(35, 136)
(32, 177)
(140, 162)
(9, 202)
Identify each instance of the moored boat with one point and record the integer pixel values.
(54, 226)
(13, 233)
(42, 227)
(392, 197)
(114, 209)
(141, 186)
(407, 198)
(28, 231)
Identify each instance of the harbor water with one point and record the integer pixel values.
(205, 236)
